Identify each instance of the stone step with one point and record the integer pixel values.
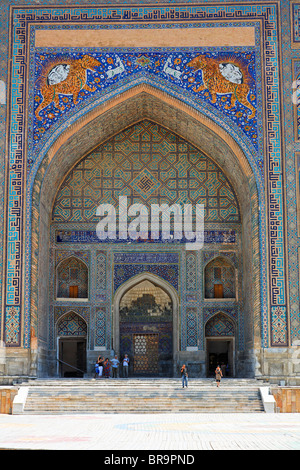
(152, 398)
(130, 397)
(226, 382)
(58, 396)
(167, 406)
(231, 408)
(163, 409)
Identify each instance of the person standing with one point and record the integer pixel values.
(184, 375)
(106, 368)
(125, 366)
(219, 374)
(99, 367)
(96, 370)
(115, 367)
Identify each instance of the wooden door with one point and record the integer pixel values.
(73, 292)
(218, 291)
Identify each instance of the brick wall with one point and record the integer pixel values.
(287, 399)
(7, 395)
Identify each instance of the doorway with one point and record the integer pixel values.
(72, 357)
(219, 352)
(146, 325)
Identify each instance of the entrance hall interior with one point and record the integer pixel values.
(220, 353)
(150, 164)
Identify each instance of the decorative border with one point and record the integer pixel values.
(297, 175)
(296, 97)
(295, 23)
(268, 16)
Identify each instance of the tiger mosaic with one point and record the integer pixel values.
(220, 77)
(67, 77)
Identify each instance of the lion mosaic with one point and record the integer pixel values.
(67, 77)
(221, 77)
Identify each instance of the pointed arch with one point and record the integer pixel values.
(108, 119)
(157, 281)
(71, 323)
(72, 278)
(220, 325)
(220, 278)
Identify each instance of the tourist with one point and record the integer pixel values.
(96, 370)
(106, 368)
(219, 374)
(223, 369)
(184, 375)
(115, 367)
(99, 367)
(125, 366)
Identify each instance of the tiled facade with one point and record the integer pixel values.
(174, 103)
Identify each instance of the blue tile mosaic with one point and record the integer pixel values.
(172, 70)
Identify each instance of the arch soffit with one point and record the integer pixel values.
(67, 313)
(68, 259)
(130, 107)
(156, 280)
(224, 314)
(160, 282)
(221, 257)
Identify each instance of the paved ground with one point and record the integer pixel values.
(157, 432)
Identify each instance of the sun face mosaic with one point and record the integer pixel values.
(66, 81)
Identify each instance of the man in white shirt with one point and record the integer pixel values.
(125, 366)
(115, 367)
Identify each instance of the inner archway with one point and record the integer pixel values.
(220, 333)
(195, 129)
(71, 345)
(145, 310)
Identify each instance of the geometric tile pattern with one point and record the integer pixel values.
(12, 316)
(267, 15)
(59, 313)
(69, 273)
(123, 272)
(100, 327)
(191, 272)
(72, 325)
(278, 323)
(192, 327)
(150, 165)
(296, 97)
(291, 56)
(296, 23)
(101, 271)
(221, 272)
(219, 325)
